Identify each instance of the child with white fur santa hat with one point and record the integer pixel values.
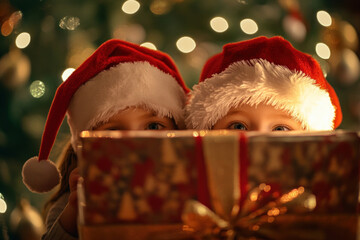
(263, 84)
(120, 86)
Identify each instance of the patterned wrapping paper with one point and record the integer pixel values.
(246, 185)
(142, 179)
(302, 186)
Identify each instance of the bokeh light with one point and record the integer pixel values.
(203, 51)
(23, 40)
(130, 32)
(324, 18)
(186, 44)
(37, 89)
(78, 55)
(350, 67)
(148, 45)
(310, 202)
(219, 24)
(69, 23)
(294, 28)
(130, 6)
(3, 205)
(66, 73)
(254, 196)
(249, 26)
(8, 25)
(273, 212)
(160, 7)
(6, 28)
(323, 51)
(350, 36)
(15, 69)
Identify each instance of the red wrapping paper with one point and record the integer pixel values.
(142, 178)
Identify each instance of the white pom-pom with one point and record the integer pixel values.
(40, 176)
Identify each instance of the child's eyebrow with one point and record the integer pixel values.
(151, 114)
(234, 112)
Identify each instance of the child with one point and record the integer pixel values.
(263, 84)
(121, 86)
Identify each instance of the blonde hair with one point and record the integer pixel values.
(67, 162)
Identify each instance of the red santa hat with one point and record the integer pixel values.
(263, 70)
(116, 76)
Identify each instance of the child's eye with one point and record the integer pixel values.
(112, 128)
(154, 126)
(281, 128)
(237, 126)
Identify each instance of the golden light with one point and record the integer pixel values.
(202, 133)
(148, 45)
(324, 18)
(3, 206)
(219, 24)
(262, 186)
(267, 188)
(130, 6)
(249, 26)
(254, 196)
(201, 210)
(37, 89)
(170, 134)
(310, 202)
(323, 51)
(294, 193)
(23, 40)
(186, 44)
(273, 212)
(67, 72)
(195, 134)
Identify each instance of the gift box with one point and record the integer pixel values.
(218, 184)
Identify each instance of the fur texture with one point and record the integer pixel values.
(124, 85)
(40, 176)
(259, 81)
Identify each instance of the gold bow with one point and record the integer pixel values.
(247, 222)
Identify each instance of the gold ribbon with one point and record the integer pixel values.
(206, 224)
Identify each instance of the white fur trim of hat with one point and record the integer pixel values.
(259, 81)
(141, 85)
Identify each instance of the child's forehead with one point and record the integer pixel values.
(141, 111)
(259, 109)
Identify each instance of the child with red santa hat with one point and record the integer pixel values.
(121, 86)
(263, 84)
